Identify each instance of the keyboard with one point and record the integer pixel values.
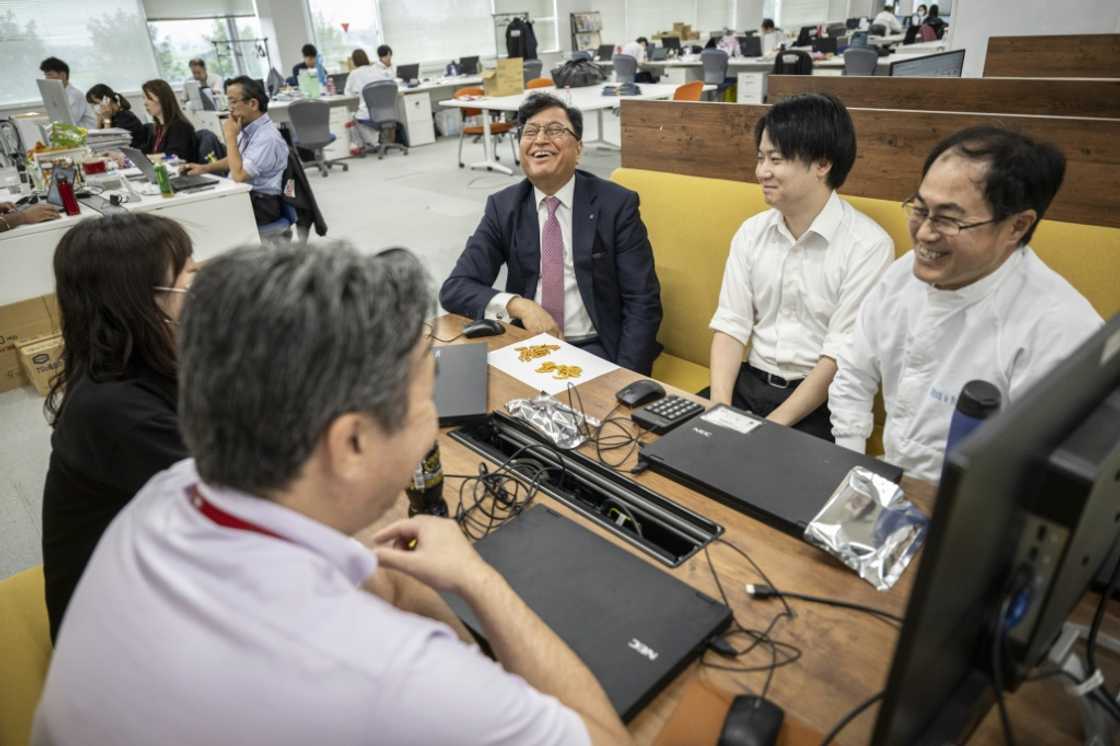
(665, 414)
(183, 183)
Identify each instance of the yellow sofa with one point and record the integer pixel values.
(691, 221)
(25, 649)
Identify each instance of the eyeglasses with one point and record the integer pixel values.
(942, 225)
(552, 131)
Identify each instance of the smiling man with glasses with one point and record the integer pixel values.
(971, 301)
(579, 261)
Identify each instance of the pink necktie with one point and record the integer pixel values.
(552, 265)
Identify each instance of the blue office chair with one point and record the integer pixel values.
(380, 98)
(279, 230)
(311, 128)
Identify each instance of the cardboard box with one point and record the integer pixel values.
(507, 79)
(22, 322)
(41, 360)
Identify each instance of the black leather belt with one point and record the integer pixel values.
(776, 381)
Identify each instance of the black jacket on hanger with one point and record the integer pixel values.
(521, 40)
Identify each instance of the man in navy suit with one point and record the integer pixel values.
(579, 263)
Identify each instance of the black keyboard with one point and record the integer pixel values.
(665, 414)
(183, 183)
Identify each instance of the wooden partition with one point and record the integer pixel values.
(1064, 56)
(717, 140)
(1044, 96)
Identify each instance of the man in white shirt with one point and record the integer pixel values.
(971, 301)
(55, 69)
(888, 20)
(728, 43)
(772, 38)
(636, 48)
(228, 603)
(205, 79)
(797, 273)
(578, 258)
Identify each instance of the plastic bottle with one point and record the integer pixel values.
(164, 181)
(568, 95)
(978, 401)
(425, 491)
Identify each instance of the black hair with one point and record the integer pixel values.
(198, 62)
(100, 91)
(812, 127)
(889, 8)
(384, 50)
(105, 269)
(251, 88)
(309, 50)
(934, 11)
(168, 102)
(1022, 174)
(359, 58)
(54, 65)
(642, 40)
(767, 23)
(538, 102)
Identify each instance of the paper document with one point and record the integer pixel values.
(549, 364)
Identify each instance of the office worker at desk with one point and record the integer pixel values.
(771, 36)
(637, 48)
(228, 602)
(796, 274)
(888, 20)
(312, 60)
(577, 254)
(970, 301)
(172, 134)
(205, 79)
(12, 218)
(55, 69)
(363, 73)
(114, 110)
(256, 153)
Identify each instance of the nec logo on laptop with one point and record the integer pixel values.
(698, 431)
(643, 649)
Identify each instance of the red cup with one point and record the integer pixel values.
(94, 167)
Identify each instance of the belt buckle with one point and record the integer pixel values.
(771, 378)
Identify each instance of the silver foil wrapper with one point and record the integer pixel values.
(869, 526)
(555, 420)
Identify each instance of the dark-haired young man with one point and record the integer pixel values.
(971, 301)
(796, 273)
(256, 153)
(578, 256)
(312, 60)
(55, 69)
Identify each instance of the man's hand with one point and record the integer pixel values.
(534, 318)
(231, 127)
(191, 169)
(38, 213)
(432, 550)
(6, 207)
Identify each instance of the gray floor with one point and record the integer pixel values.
(422, 201)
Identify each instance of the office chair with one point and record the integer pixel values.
(837, 30)
(689, 91)
(25, 648)
(793, 62)
(311, 128)
(860, 61)
(877, 29)
(497, 129)
(205, 143)
(279, 231)
(532, 69)
(625, 68)
(380, 98)
(539, 83)
(714, 63)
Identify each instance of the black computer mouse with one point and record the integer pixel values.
(640, 392)
(751, 721)
(483, 328)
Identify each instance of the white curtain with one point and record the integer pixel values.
(437, 30)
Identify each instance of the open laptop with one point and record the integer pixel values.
(657, 54)
(634, 626)
(606, 51)
(462, 383)
(468, 65)
(775, 474)
(54, 101)
(179, 183)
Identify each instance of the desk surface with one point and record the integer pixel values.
(846, 656)
(588, 98)
(341, 99)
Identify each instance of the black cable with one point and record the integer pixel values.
(604, 442)
(765, 591)
(757, 569)
(1098, 617)
(852, 715)
(432, 334)
(997, 673)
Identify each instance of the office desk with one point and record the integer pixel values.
(216, 220)
(589, 98)
(846, 656)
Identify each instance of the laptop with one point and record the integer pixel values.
(179, 183)
(468, 65)
(633, 625)
(775, 474)
(462, 383)
(825, 44)
(657, 54)
(606, 51)
(750, 46)
(408, 73)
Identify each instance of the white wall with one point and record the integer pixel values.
(973, 21)
(287, 27)
(748, 14)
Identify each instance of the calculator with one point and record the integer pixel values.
(665, 414)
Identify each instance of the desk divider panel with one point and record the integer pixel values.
(1058, 56)
(1039, 96)
(717, 141)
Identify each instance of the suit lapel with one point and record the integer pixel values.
(584, 219)
(527, 247)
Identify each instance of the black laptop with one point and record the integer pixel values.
(179, 183)
(775, 474)
(634, 626)
(462, 383)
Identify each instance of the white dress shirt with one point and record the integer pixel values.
(771, 40)
(183, 631)
(577, 322)
(80, 110)
(923, 345)
(635, 50)
(796, 300)
(889, 20)
(362, 76)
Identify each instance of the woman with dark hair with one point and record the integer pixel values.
(935, 21)
(120, 281)
(173, 134)
(114, 110)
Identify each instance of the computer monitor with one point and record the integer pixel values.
(54, 101)
(852, 23)
(805, 36)
(1027, 511)
(657, 54)
(750, 46)
(468, 65)
(339, 80)
(943, 65)
(671, 42)
(825, 44)
(408, 73)
(275, 81)
(606, 51)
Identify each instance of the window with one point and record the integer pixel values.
(437, 30)
(341, 26)
(102, 42)
(796, 13)
(236, 51)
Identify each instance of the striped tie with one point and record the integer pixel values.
(552, 265)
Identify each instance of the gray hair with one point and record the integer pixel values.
(275, 344)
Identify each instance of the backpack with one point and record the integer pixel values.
(577, 74)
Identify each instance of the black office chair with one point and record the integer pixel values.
(793, 62)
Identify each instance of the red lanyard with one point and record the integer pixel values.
(222, 518)
(160, 133)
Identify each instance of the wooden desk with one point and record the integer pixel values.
(845, 656)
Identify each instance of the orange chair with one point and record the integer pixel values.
(497, 129)
(539, 83)
(689, 91)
